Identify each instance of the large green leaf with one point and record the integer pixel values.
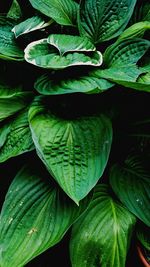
(71, 82)
(75, 151)
(136, 30)
(62, 11)
(59, 51)
(9, 49)
(131, 183)
(101, 237)
(35, 216)
(15, 137)
(12, 99)
(103, 20)
(31, 24)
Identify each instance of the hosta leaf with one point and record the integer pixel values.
(141, 12)
(75, 151)
(66, 82)
(14, 11)
(103, 20)
(35, 216)
(136, 30)
(12, 99)
(61, 51)
(102, 235)
(9, 48)
(62, 11)
(143, 235)
(15, 137)
(30, 24)
(126, 52)
(131, 184)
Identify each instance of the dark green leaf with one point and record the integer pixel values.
(131, 183)
(35, 216)
(15, 137)
(143, 235)
(103, 20)
(101, 237)
(14, 11)
(62, 11)
(75, 151)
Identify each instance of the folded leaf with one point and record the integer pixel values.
(31, 24)
(101, 237)
(66, 83)
(131, 183)
(9, 48)
(103, 20)
(62, 11)
(12, 99)
(35, 216)
(75, 151)
(15, 137)
(61, 51)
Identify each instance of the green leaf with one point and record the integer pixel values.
(65, 82)
(12, 99)
(103, 20)
(143, 235)
(63, 12)
(101, 237)
(35, 216)
(31, 24)
(75, 151)
(15, 137)
(136, 30)
(141, 12)
(61, 51)
(131, 184)
(9, 49)
(14, 11)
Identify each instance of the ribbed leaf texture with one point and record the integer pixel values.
(101, 237)
(131, 183)
(35, 216)
(75, 151)
(103, 20)
(15, 137)
(62, 11)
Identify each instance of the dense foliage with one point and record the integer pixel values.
(74, 129)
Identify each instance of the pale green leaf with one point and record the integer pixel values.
(15, 137)
(75, 151)
(103, 20)
(35, 216)
(136, 30)
(62, 51)
(65, 82)
(9, 49)
(101, 237)
(131, 183)
(31, 24)
(12, 99)
(62, 11)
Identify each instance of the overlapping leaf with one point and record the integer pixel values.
(101, 237)
(9, 48)
(35, 216)
(137, 30)
(131, 183)
(31, 24)
(75, 151)
(62, 11)
(15, 137)
(67, 82)
(61, 51)
(103, 20)
(12, 99)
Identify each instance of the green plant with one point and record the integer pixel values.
(73, 77)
